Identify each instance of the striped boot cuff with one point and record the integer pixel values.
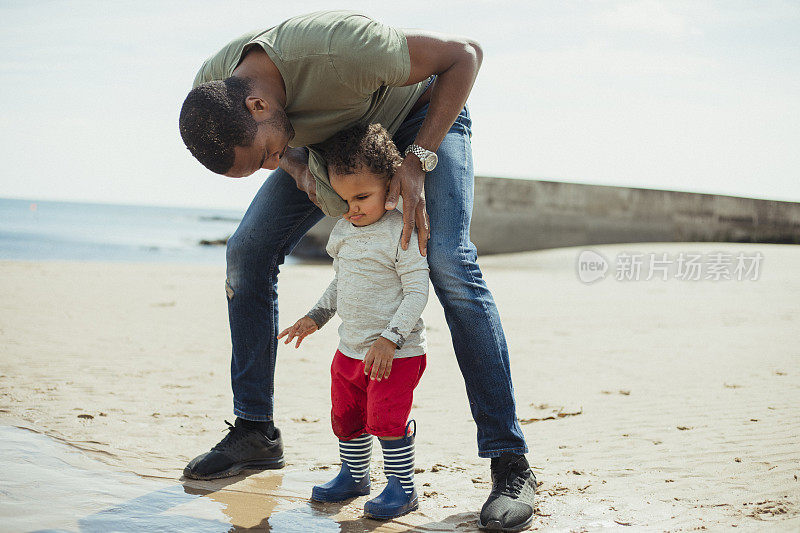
(356, 453)
(399, 462)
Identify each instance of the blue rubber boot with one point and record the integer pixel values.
(353, 478)
(399, 497)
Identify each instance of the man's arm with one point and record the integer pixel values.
(295, 162)
(455, 61)
(305, 166)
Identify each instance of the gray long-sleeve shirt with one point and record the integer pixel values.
(379, 289)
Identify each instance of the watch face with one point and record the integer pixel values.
(430, 161)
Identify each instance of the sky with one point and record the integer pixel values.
(680, 95)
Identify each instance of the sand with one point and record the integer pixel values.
(666, 405)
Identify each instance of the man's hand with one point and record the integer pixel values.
(379, 358)
(409, 182)
(295, 162)
(301, 329)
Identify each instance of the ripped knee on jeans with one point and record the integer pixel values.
(228, 289)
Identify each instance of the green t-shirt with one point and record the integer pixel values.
(340, 68)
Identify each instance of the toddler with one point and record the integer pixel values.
(379, 291)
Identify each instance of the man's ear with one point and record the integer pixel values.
(258, 107)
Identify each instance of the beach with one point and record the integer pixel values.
(647, 405)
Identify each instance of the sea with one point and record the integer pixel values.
(34, 230)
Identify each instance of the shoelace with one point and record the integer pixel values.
(231, 439)
(509, 483)
(513, 487)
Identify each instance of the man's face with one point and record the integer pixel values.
(365, 194)
(268, 146)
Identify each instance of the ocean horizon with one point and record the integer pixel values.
(47, 230)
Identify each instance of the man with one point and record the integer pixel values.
(264, 101)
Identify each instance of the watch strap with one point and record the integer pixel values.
(420, 152)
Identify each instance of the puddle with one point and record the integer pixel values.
(47, 485)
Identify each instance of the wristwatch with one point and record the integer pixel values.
(426, 157)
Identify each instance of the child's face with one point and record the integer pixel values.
(365, 194)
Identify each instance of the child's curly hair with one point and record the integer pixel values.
(362, 146)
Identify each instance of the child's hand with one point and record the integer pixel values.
(302, 328)
(379, 357)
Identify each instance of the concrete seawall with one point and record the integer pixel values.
(513, 215)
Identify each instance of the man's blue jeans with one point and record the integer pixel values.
(280, 215)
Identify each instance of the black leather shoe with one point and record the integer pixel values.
(510, 505)
(242, 449)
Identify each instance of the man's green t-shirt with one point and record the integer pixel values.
(340, 68)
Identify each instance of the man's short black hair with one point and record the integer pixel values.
(362, 147)
(214, 119)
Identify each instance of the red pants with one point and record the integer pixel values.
(380, 408)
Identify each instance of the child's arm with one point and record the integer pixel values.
(412, 268)
(300, 329)
(317, 317)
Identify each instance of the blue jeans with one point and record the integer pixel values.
(280, 215)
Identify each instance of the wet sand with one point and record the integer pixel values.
(669, 405)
